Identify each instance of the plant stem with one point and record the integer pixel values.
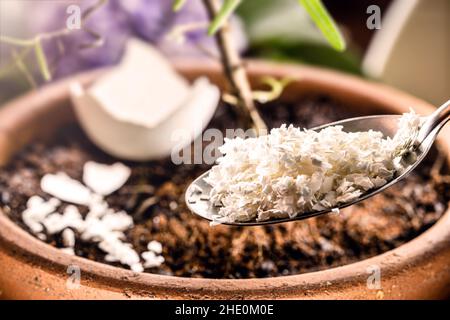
(36, 43)
(235, 73)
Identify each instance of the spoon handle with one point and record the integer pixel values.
(436, 120)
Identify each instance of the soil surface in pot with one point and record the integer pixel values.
(192, 248)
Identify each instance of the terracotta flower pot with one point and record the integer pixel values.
(30, 268)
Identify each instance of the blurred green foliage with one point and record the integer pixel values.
(282, 30)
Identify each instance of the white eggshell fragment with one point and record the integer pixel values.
(134, 111)
(37, 210)
(63, 187)
(152, 260)
(68, 238)
(155, 246)
(104, 179)
(71, 218)
(143, 90)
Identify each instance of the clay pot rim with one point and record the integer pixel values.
(413, 252)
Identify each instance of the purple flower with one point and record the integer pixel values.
(150, 19)
(117, 21)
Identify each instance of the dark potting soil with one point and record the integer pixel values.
(154, 195)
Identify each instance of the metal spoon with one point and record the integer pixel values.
(197, 194)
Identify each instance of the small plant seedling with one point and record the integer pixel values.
(219, 11)
(234, 67)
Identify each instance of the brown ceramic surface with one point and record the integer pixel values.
(31, 269)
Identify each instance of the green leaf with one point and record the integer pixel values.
(42, 61)
(222, 16)
(309, 53)
(178, 5)
(325, 23)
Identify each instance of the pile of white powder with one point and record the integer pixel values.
(291, 171)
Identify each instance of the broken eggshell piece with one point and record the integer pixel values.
(102, 226)
(142, 109)
(104, 179)
(65, 188)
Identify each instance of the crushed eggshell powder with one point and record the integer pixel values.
(292, 171)
(102, 225)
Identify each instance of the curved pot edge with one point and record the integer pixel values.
(411, 254)
(417, 255)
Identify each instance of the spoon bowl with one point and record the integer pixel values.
(197, 194)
